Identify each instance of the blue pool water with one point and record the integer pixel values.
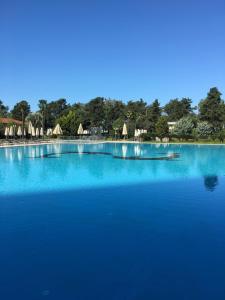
(112, 221)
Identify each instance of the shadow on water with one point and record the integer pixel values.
(150, 241)
(211, 182)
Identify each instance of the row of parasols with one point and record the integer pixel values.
(81, 131)
(36, 132)
(13, 131)
(31, 130)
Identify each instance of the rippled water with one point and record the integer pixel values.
(99, 222)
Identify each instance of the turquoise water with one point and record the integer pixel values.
(112, 221)
(24, 169)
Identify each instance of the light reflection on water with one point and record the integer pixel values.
(25, 169)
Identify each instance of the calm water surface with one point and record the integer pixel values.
(112, 221)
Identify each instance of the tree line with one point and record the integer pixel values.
(204, 121)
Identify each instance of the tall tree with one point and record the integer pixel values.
(186, 107)
(43, 110)
(212, 109)
(55, 109)
(95, 111)
(154, 111)
(134, 109)
(79, 108)
(114, 109)
(3, 109)
(20, 112)
(177, 109)
(136, 112)
(153, 114)
(162, 129)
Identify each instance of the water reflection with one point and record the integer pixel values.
(137, 150)
(22, 166)
(124, 150)
(80, 149)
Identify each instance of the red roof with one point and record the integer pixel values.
(10, 120)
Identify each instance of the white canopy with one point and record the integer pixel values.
(33, 131)
(80, 129)
(30, 126)
(37, 131)
(19, 131)
(6, 131)
(49, 132)
(11, 131)
(124, 129)
(144, 131)
(57, 130)
(86, 132)
(41, 132)
(136, 133)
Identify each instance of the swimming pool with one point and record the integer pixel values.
(112, 221)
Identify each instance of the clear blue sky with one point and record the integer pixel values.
(121, 49)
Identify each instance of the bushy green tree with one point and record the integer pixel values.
(114, 109)
(162, 129)
(203, 130)
(212, 109)
(135, 112)
(177, 109)
(69, 123)
(218, 135)
(184, 128)
(81, 114)
(148, 136)
(54, 110)
(20, 110)
(35, 118)
(96, 112)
